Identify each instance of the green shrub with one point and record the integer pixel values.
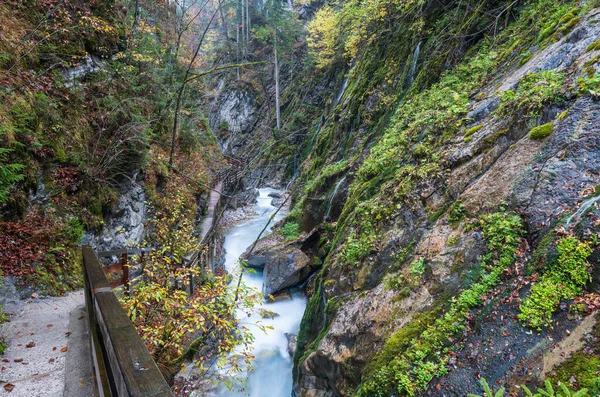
(457, 213)
(291, 230)
(564, 280)
(74, 231)
(535, 90)
(541, 131)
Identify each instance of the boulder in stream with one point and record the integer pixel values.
(284, 295)
(285, 267)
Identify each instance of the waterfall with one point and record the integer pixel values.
(333, 194)
(317, 132)
(586, 205)
(341, 93)
(413, 66)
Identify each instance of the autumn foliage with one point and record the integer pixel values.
(176, 326)
(38, 246)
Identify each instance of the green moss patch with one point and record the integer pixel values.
(564, 280)
(595, 46)
(542, 131)
(583, 369)
(415, 362)
(473, 130)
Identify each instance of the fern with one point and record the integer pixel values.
(546, 391)
(9, 174)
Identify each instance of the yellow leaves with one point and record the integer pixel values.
(98, 24)
(138, 57)
(324, 38)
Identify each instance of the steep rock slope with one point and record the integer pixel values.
(448, 208)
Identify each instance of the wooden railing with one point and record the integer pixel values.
(122, 365)
(124, 265)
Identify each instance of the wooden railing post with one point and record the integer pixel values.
(125, 264)
(143, 264)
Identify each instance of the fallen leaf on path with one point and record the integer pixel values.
(9, 387)
(54, 348)
(30, 345)
(18, 360)
(51, 360)
(64, 349)
(34, 295)
(80, 318)
(49, 325)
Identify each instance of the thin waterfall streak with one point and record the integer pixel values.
(333, 194)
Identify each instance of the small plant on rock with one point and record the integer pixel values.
(291, 230)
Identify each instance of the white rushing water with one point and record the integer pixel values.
(272, 373)
(586, 205)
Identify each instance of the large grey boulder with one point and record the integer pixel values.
(285, 268)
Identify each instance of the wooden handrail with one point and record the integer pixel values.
(119, 252)
(122, 365)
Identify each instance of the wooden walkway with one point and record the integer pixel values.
(214, 203)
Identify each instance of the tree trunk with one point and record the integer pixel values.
(136, 16)
(243, 26)
(277, 82)
(237, 39)
(176, 124)
(247, 22)
(224, 26)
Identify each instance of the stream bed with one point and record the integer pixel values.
(272, 372)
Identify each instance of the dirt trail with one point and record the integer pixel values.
(39, 336)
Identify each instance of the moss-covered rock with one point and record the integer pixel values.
(542, 131)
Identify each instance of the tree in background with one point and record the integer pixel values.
(281, 31)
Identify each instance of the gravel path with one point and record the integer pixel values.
(38, 338)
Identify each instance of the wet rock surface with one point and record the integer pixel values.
(124, 227)
(292, 339)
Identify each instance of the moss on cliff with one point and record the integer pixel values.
(541, 131)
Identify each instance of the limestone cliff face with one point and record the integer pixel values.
(234, 115)
(492, 162)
